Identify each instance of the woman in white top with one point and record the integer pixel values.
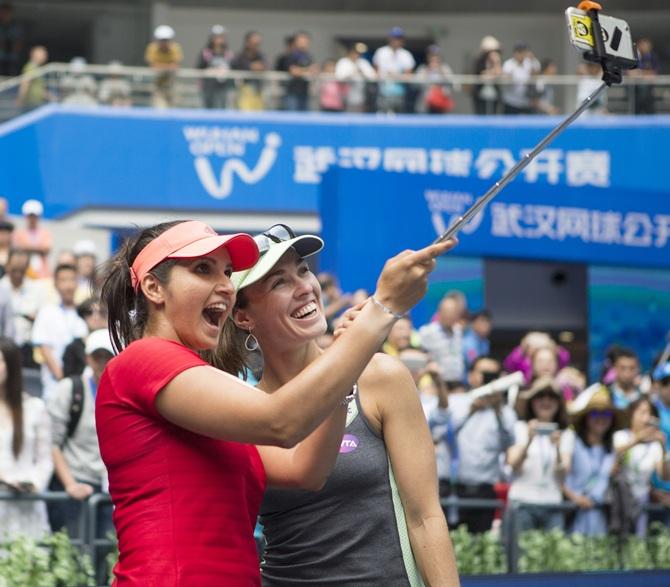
(540, 456)
(357, 72)
(25, 450)
(640, 451)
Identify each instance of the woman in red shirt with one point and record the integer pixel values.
(177, 435)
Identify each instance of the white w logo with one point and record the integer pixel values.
(223, 187)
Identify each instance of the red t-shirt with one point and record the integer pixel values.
(185, 504)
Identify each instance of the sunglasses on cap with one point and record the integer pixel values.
(278, 233)
(601, 414)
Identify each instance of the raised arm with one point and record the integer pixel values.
(308, 464)
(215, 404)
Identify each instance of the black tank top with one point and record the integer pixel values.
(352, 532)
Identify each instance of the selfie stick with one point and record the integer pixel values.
(611, 75)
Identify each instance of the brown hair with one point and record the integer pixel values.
(14, 391)
(231, 354)
(127, 309)
(634, 405)
(524, 405)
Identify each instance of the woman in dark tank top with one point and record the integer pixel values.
(377, 520)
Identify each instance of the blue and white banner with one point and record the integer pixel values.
(599, 193)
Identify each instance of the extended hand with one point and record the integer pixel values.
(347, 319)
(404, 279)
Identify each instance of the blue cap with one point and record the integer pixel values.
(662, 371)
(397, 32)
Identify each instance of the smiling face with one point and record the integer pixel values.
(194, 303)
(284, 308)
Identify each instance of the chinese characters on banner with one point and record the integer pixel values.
(576, 168)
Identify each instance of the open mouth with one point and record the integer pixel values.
(307, 311)
(214, 313)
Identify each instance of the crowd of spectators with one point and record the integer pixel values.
(552, 439)
(388, 79)
(51, 323)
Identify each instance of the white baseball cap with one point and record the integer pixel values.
(99, 340)
(32, 208)
(272, 245)
(164, 32)
(84, 247)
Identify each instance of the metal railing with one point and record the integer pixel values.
(91, 85)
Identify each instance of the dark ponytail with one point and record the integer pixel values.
(14, 391)
(128, 310)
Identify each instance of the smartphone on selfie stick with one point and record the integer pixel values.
(602, 39)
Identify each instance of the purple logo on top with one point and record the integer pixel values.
(349, 443)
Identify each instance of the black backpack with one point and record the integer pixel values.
(76, 407)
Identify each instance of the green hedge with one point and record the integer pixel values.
(557, 552)
(54, 562)
(478, 554)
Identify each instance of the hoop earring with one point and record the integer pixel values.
(251, 342)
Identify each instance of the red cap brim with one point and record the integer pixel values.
(241, 247)
(193, 239)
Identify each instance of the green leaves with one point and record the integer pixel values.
(558, 552)
(478, 554)
(54, 562)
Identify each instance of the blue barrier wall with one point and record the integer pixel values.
(599, 195)
(599, 188)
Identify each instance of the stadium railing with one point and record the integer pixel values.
(73, 86)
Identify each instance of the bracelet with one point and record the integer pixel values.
(349, 398)
(386, 309)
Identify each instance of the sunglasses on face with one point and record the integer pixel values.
(601, 414)
(278, 233)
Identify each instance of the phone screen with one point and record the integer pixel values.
(615, 31)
